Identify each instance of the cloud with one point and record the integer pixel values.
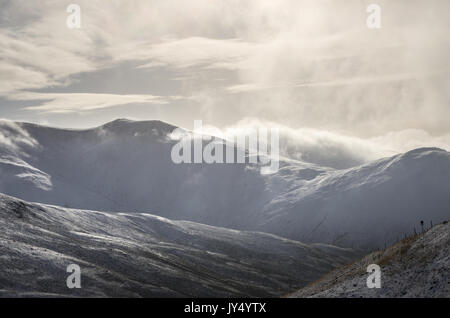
(13, 138)
(300, 63)
(332, 149)
(324, 148)
(16, 77)
(82, 102)
(36, 61)
(200, 51)
(409, 139)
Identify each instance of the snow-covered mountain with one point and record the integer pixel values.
(366, 206)
(126, 166)
(134, 254)
(417, 266)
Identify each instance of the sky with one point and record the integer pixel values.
(310, 67)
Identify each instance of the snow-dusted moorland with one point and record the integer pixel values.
(417, 266)
(133, 254)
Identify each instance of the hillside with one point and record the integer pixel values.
(142, 255)
(417, 266)
(366, 206)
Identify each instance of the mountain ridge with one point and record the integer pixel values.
(116, 169)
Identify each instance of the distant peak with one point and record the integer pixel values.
(127, 126)
(118, 123)
(121, 120)
(425, 155)
(422, 152)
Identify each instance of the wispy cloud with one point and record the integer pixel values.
(202, 52)
(13, 137)
(301, 63)
(331, 149)
(81, 102)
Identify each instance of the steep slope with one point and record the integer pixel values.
(368, 206)
(417, 266)
(126, 166)
(123, 254)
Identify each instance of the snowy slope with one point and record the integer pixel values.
(126, 166)
(366, 206)
(134, 254)
(417, 266)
